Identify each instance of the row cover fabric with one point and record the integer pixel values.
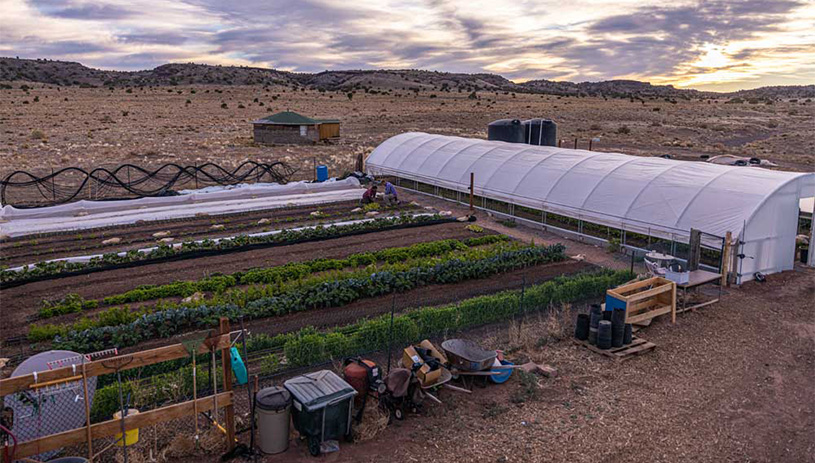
(651, 195)
(93, 214)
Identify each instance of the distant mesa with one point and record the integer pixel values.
(66, 73)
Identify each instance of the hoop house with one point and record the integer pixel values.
(652, 197)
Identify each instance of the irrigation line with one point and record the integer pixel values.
(143, 185)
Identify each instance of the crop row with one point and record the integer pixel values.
(332, 293)
(309, 346)
(188, 248)
(217, 284)
(241, 297)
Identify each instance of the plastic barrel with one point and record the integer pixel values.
(131, 436)
(273, 405)
(594, 319)
(322, 173)
(581, 329)
(617, 327)
(607, 315)
(628, 334)
(604, 334)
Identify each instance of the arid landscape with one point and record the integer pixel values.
(47, 126)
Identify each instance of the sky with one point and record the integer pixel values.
(719, 45)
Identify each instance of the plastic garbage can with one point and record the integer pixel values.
(322, 173)
(323, 407)
(272, 408)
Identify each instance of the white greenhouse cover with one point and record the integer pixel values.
(213, 201)
(661, 197)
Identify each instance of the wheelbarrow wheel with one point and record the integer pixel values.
(398, 414)
(313, 446)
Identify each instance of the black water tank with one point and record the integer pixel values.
(541, 132)
(510, 130)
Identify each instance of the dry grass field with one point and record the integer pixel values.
(50, 127)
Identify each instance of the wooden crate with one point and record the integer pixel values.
(644, 300)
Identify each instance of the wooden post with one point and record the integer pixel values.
(472, 190)
(229, 410)
(87, 411)
(728, 238)
(673, 303)
(695, 253)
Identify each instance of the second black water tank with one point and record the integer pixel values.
(541, 132)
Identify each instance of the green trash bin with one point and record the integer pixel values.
(322, 407)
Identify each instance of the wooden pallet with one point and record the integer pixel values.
(638, 346)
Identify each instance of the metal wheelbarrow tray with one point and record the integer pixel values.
(466, 355)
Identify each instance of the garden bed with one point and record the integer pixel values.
(28, 249)
(21, 303)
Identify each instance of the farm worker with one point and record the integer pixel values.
(370, 195)
(391, 198)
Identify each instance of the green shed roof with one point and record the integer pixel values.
(287, 118)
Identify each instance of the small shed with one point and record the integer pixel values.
(288, 127)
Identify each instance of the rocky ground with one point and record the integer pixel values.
(48, 127)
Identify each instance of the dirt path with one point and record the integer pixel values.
(732, 382)
(23, 301)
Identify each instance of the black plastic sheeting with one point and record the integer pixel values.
(127, 181)
(211, 252)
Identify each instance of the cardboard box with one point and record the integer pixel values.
(410, 357)
(433, 351)
(427, 377)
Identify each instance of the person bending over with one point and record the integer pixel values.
(391, 197)
(369, 196)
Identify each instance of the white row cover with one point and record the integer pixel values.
(93, 214)
(661, 197)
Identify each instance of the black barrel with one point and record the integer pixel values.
(607, 315)
(510, 130)
(617, 327)
(595, 315)
(604, 334)
(628, 334)
(541, 132)
(581, 329)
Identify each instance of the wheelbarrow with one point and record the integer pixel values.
(467, 356)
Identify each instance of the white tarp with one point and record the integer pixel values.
(661, 197)
(92, 214)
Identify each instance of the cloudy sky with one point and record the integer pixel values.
(712, 45)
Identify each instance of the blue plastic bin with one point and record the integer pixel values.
(322, 173)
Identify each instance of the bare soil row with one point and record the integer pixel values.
(25, 250)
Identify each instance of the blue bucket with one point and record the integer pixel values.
(504, 375)
(322, 173)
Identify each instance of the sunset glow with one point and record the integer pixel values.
(710, 45)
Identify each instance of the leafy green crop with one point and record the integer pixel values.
(293, 271)
(45, 269)
(330, 292)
